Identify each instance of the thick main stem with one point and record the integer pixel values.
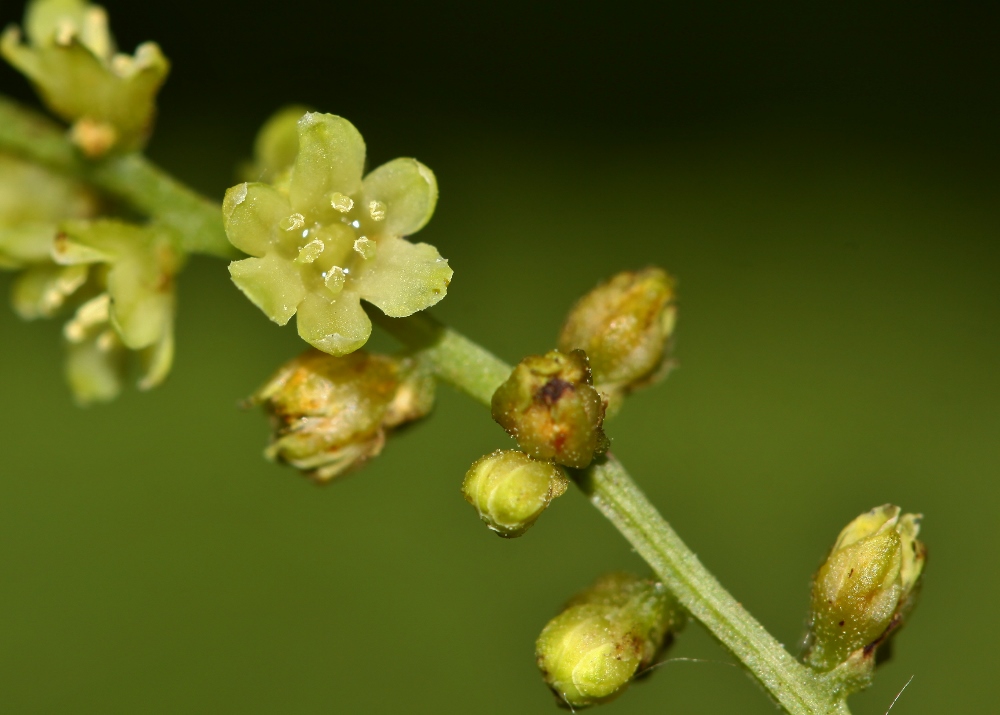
(130, 178)
(464, 364)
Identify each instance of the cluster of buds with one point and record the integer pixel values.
(332, 414)
(605, 636)
(614, 341)
(865, 588)
(70, 57)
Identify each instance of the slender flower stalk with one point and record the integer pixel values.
(194, 221)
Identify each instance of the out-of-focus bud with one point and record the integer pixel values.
(331, 414)
(70, 57)
(549, 405)
(276, 146)
(590, 652)
(624, 325)
(510, 490)
(865, 587)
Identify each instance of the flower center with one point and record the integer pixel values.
(327, 254)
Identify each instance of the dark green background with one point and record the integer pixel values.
(822, 180)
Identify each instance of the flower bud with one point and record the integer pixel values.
(624, 325)
(866, 585)
(549, 405)
(510, 490)
(276, 145)
(332, 414)
(590, 652)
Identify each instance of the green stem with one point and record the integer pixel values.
(475, 371)
(619, 498)
(129, 178)
(453, 357)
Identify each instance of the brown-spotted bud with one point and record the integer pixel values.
(865, 587)
(510, 490)
(332, 414)
(605, 635)
(549, 405)
(624, 326)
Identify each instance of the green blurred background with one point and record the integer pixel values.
(821, 178)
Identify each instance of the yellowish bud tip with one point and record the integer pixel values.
(604, 637)
(866, 586)
(510, 490)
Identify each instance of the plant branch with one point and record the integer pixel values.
(475, 371)
(197, 222)
(130, 178)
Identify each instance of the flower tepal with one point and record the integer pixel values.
(324, 237)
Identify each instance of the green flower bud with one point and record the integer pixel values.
(510, 490)
(549, 405)
(276, 146)
(590, 652)
(324, 238)
(624, 325)
(865, 587)
(330, 415)
(72, 61)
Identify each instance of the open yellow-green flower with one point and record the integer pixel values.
(71, 59)
(324, 238)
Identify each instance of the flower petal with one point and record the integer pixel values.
(142, 305)
(251, 214)
(94, 370)
(271, 283)
(41, 290)
(276, 145)
(43, 22)
(408, 191)
(331, 159)
(157, 360)
(337, 327)
(27, 242)
(100, 241)
(403, 277)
